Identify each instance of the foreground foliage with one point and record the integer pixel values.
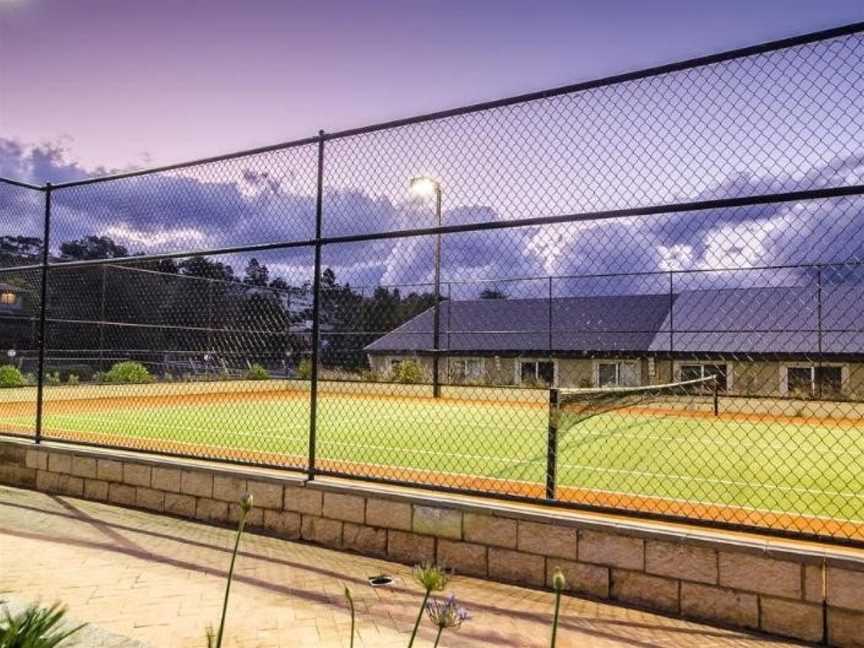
(36, 627)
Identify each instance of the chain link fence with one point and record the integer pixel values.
(642, 294)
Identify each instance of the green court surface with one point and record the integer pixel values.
(771, 465)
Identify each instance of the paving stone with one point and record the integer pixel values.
(159, 580)
(388, 514)
(441, 522)
(760, 574)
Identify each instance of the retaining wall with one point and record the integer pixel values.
(803, 590)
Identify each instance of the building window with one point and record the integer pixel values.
(8, 298)
(537, 372)
(702, 371)
(804, 381)
(617, 374)
(465, 370)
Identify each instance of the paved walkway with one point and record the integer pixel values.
(160, 581)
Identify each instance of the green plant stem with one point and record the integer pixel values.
(351, 603)
(555, 619)
(419, 618)
(438, 636)
(230, 576)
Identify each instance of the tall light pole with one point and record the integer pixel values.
(426, 186)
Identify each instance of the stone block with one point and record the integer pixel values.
(517, 567)
(752, 573)
(613, 550)
(490, 530)
(410, 548)
(254, 518)
(182, 505)
(846, 588)
(60, 462)
(548, 540)
(166, 479)
(844, 628)
(265, 494)
(388, 514)
(440, 522)
(284, 523)
(709, 603)
(84, 467)
(581, 578)
(814, 583)
(109, 470)
(229, 489)
(121, 494)
(365, 540)
(648, 591)
(350, 508)
(791, 618)
(196, 482)
(463, 557)
(680, 560)
(47, 481)
(136, 474)
(96, 489)
(323, 531)
(211, 510)
(70, 485)
(37, 459)
(149, 498)
(16, 475)
(303, 500)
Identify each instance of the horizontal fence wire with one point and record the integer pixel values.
(677, 251)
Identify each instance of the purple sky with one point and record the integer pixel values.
(121, 84)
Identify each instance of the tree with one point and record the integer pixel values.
(20, 250)
(493, 293)
(92, 247)
(256, 273)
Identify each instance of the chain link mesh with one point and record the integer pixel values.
(188, 311)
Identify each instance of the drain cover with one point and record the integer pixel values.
(380, 581)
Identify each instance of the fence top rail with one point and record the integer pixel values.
(19, 183)
(711, 59)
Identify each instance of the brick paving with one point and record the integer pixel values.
(159, 580)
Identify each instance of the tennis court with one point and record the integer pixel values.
(739, 467)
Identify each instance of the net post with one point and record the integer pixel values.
(716, 396)
(552, 445)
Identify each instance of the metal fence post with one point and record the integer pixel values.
(552, 445)
(43, 313)
(316, 311)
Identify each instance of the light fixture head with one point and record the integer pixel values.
(424, 186)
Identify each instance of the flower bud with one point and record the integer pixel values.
(558, 580)
(246, 502)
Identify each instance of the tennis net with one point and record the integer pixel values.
(572, 406)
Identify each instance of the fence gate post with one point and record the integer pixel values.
(43, 308)
(552, 446)
(316, 312)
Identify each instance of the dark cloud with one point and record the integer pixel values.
(248, 202)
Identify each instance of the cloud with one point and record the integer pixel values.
(253, 201)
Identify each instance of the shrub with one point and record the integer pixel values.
(11, 377)
(257, 372)
(35, 628)
(72, 379)
(408, 372)
(304, 369)
(52, 378)
(128, 372)
(99, 377)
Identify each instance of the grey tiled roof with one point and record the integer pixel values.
(777, 320)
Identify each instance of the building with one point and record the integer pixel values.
(778, 341)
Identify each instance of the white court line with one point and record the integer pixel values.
(724, 482)
(709, 440)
